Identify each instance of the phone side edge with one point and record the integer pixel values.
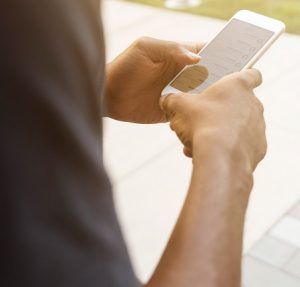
(264, 49)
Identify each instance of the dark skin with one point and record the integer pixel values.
(136, 78)
(223, 130)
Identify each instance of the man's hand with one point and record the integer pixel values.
(224, 130)
(136, 78)
(227, 116)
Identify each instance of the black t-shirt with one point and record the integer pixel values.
(58, 224)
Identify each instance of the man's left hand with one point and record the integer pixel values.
(136, 78)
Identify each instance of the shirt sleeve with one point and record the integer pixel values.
(58, 223)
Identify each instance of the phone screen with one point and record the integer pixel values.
(229, 52)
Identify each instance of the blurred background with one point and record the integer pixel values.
(149, 173)
(287, 11)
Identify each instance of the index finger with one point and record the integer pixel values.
(252, 78)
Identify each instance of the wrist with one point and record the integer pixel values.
(233, 167)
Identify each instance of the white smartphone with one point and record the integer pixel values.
(245, 38)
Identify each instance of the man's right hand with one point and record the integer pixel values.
(226, 118)
(223, 129)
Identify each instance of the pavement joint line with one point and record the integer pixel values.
(290, 259)
(145, 163)
(272, 266)
(268, 231)
(295, 252)
(279, 239)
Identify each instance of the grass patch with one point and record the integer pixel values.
(287, 11)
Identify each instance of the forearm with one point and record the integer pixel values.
(206, 245)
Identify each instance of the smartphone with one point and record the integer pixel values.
(241, 43)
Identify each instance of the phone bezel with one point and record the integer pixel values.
(250, 17)
(260, 20)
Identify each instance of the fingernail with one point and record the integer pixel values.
(193, 55)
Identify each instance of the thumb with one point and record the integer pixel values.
(170, 103)
(181, 55)
(161, 51)
(162, 100)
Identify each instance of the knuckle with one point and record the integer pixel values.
(233, 82)
(141, 41)
(173, 51)
(263, 149)
(259, 105)
(176, 46)
(218, 90)
(183, 137)
(172, 125)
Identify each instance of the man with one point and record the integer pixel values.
(58, 221)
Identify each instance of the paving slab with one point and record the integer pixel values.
(273, 251)
(259, 274)
(288, 229)
(276, 184)
(293, 266)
